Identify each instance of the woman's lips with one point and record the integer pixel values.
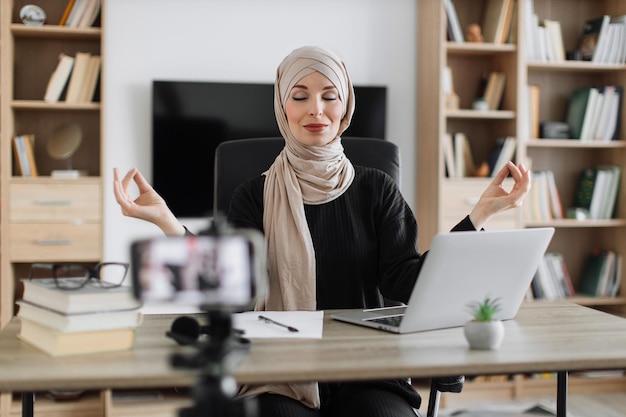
(315, 127)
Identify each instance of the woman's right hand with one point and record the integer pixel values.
(148, 206)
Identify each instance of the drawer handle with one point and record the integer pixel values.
(472, 201)
(53, 202)
(55, 242)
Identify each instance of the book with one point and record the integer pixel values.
(21, 159)
(59, 78)
(77, 79)
(594, 30)
(555, 40)
(89, 14)
(584, 188)
(69, 323)
(88, 299)
(533, 102)
(589, 114)
(24, 155)
(56, 343)
(453, 22)
(494, 89)
(463, 156)
(556, 206)
(505, 154)
(496, 20)
(29, 148)
(622, 21)
(576, 110)
(66, 12)
(591, 272)
(91, 80)
(448, 155)
(78, 9)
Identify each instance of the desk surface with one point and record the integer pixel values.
(543, 337)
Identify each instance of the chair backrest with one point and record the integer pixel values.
(238, 160)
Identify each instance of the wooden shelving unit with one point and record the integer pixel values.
(43, 218)
(443, 201)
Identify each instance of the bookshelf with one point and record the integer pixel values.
(44, 218)
(442, 201)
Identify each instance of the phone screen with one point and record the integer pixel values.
(195, 270)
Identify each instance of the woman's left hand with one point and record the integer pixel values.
(496, 199)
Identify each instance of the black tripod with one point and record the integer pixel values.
(214, 392)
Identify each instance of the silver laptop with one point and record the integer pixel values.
(461, 268)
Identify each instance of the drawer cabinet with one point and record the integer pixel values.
(56, 202)
(52, 220)
(458, 198)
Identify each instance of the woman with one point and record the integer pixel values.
(338, 235)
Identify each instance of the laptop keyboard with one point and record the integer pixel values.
(389, 321)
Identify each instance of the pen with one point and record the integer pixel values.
(270, 321)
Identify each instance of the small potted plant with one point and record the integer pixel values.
(483, 331)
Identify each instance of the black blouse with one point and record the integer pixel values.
(365, 241)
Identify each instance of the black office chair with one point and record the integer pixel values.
(238, 160)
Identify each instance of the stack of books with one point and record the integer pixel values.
(76, 76)
(597, 191)
(80, 13)
(88, 320)
(594, 113)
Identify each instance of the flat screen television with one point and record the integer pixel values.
(191, 118)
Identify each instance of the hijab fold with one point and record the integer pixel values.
(300, 175)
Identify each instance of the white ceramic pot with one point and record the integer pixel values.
(484, 335)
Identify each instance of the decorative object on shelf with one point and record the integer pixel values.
(473, 33)
(32, 15)
(451, 98)
(484, 331)
(480, 104)
(62, 145)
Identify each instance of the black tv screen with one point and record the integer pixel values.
(191, 118)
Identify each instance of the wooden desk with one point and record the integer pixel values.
(543, 337)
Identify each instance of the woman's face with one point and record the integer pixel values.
(314, 110)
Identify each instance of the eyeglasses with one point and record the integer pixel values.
(71, 276)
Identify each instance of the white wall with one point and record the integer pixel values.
(242, 40)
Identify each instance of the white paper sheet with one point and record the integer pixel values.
(308, 323)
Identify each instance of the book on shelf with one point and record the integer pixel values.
(502, 152)
(56, 343)
(544, 200)
(448, 156)
(576, 110)
(23, 147)
(601, 276)
(597, 190)
(530, 24)
(594, 113)
(59, 78)
(83, 13)
(554, 40)
(88, 299)
(66, 12)
(79, 322)
(77, 78)
(621, 46)
(454, 26)
(497, 20)
(89, 15)
(594, 32)
(534, 95)
(552, 280)
(494, 89)
(464, 165)
(92, 74)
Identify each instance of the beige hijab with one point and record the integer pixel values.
(301, 175)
